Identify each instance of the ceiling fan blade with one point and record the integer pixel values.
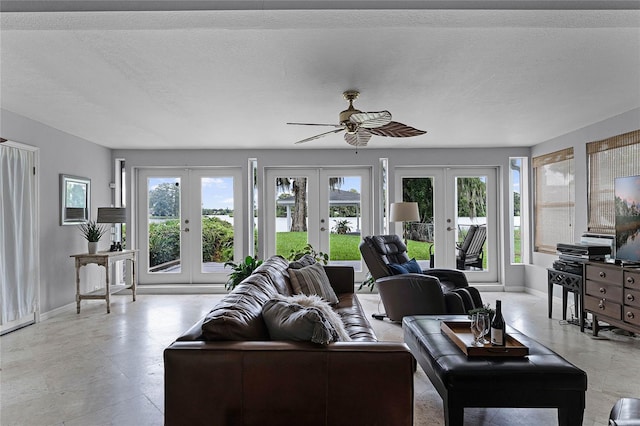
(359, 138)
(371, 120)
(316, 124)
(397, 130)
(320, 135)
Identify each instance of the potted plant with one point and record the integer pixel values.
(308, 249)
(484, 309)
(92, 232)
(241, 270)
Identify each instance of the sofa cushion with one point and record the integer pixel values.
(312, 280)
(405, 268)
(286, 320)
(275, 268)
(238, 316)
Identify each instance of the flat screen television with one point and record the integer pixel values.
(627, 203)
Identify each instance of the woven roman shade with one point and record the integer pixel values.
(554, 211)
(608, 159)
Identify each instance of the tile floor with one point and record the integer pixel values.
(99, 369)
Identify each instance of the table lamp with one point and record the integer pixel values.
(112, 215)
(404, 212)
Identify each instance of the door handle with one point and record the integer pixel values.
(186, 229)
(449, 228)
(323, 229)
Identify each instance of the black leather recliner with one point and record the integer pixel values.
(435, 291)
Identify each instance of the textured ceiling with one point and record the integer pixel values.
(233, 78)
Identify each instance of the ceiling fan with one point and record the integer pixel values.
(360, 126)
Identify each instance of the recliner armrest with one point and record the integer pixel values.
(449, 278)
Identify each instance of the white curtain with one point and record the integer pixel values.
(17, 234)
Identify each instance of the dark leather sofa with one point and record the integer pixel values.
(230, 373)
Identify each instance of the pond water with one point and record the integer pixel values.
(628, 243)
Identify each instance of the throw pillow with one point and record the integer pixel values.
(312, 280)
(291, 321)
(404, 268)
(306, 260)
(315, 301)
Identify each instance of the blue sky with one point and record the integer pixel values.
(217, 192)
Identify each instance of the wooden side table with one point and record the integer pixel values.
(105, 258)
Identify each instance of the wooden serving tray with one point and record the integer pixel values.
(460, 333)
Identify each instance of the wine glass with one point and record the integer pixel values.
(476, 328)
(486, 326)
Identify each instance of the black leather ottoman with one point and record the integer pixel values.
(543, 379)
(626, 412)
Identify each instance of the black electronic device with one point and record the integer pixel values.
(568, 266)
(585, 251)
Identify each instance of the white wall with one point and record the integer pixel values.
(623, 123)
(60, 152)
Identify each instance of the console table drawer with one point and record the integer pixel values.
(603, 307)
(601, 273)
(632, 297)
(631, 315)
(604, 291)
(632, 279)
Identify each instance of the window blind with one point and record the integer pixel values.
(608, 159)
(554, 211)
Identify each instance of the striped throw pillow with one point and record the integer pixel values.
(312, 280)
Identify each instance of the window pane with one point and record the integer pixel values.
(291, 215)
(515, 234)
(164, 224)
(344, 219)
(419, 235)
(217, 216)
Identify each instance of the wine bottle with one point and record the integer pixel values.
(498, 326)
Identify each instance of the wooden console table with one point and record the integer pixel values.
(105, 258)
(612, 294)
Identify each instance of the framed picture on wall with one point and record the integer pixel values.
(75, 199)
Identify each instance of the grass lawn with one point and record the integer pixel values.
(345, 247)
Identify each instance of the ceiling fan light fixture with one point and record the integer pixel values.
(359, 126)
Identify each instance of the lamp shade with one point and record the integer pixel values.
(404, 212)
(112, 215)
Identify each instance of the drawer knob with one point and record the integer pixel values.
(630, 297)
(601, 304)
(603, 290)
(630, 315)
(602, 274)
(630, 280)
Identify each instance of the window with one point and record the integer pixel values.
(610, 158)
(516, 179)
(554, 199)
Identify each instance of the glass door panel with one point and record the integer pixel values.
(161, 239)
(345, 219)
(291, 211)
(217, 222)
(419, 235)
(471, 222)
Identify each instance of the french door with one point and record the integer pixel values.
(451, 201)
(189, 225)
(328, 208)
